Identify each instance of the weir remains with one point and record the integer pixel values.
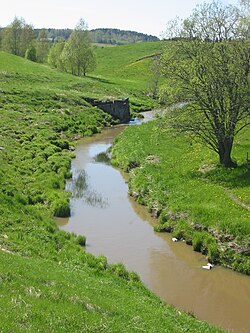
(118, 109)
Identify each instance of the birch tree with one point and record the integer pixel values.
(78, 54)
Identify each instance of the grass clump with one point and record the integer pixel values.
(81, 240)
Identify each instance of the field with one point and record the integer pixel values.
(48, 281)
(180, 182)
(128, 68)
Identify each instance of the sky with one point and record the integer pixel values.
(147, 16)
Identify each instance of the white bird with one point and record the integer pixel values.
(208, 266)
(174, 239)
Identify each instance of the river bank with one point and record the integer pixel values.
(122, 230)
(179, 182)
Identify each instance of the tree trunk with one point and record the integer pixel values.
(225, 149)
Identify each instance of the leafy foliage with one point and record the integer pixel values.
(209, 65)
(77, 54)
(17, 37)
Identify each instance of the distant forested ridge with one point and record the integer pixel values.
(116, 36)
(55, 34)
(104, 36)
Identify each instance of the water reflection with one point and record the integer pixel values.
(103, 157)
(81, 189)
(78, 186)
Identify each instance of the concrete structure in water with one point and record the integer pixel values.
(118, 109)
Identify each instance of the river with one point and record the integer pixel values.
(117, 227)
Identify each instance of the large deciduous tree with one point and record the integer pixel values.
(78, 54)
(208, 65)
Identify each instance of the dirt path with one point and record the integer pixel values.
(237, 200)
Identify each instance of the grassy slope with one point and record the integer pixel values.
(41, 296)
(48, 282)
(182, 184)
(128, 67)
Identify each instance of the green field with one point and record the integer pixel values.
(48, 282)
(128, 68)
(180, 182)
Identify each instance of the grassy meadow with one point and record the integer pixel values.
(128, 67)
(48, 282)
(180, 182)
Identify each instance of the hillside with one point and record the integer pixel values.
(129, 68)
(48, 281)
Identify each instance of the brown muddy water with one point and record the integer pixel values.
(120, 229)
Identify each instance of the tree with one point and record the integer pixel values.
(43, 44)
(78, 54)
(155, 78)
(209, 66)
(12, 36)
(17, 37)
(26, 39)
(30, 53)
(55, 54)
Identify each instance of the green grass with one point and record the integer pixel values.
(122, 71)
(127, 62)
(47, 280)
(128, 67)
(43, 296)
(180, 182)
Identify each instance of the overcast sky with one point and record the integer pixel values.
(147, 16)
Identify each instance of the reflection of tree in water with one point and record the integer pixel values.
(79, 184)
(80, 189)
(103, 157)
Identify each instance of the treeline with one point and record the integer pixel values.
(104, 36)
(119, 37)
(70, 53)
(65, 49)
(55, 34)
